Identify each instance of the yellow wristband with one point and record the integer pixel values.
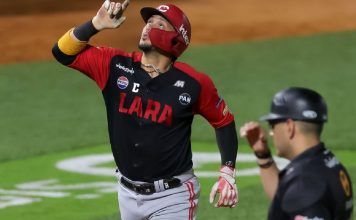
(70, 46)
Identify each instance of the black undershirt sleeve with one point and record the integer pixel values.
(228, 144)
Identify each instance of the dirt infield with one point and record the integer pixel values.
(28, 29)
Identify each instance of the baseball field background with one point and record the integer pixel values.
(55, 161)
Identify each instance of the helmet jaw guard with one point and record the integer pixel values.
(298, 104)
(167, 41)
(171, 42)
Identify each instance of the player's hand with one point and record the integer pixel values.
(226, 187)
(110, 15)
(255, 136)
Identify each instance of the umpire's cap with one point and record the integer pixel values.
(298, 104)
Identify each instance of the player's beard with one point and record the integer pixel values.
(145, 47)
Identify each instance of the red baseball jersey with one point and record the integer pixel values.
(149, 119)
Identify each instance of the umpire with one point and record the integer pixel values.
(315, 185)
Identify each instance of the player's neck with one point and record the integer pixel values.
(156, 62)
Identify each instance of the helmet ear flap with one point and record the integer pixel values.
(178, 45)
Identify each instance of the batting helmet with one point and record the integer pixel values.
(298, 104)
(172, 42)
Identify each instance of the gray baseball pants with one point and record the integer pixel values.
(179, 203)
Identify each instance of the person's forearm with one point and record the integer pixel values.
(228, 144)
(256, 138)
(73, 42)
(269, 176)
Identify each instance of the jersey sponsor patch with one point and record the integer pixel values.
(184, 99)
(126, 69)
(179, 84)
(122, 82)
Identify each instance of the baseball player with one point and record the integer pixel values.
(315, 185)
(151, 100)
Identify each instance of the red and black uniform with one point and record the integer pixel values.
(150, 119)
(315, 185)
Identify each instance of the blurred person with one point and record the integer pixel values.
(314, 185)
(151, 100)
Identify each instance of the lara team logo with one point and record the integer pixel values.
(184, 98)
(122, 82)
(163, 8)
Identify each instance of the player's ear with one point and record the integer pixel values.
(291, 128)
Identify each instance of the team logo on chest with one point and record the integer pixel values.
(122, 82)
(184, 99)
(153, 110)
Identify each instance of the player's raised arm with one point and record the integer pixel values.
(257, 140)
(109, 16)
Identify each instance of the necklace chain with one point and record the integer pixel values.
(155, 69)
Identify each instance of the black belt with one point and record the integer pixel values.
(149, 188)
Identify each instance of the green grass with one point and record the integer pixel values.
(46, 107)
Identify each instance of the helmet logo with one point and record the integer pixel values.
(309, 114)
(163, 8)
(183, 31)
